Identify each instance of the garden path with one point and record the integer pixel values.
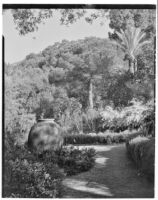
(114, 175)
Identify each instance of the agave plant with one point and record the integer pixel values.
(131, 41)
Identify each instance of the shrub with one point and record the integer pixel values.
(75, 161)
(148, 120)
(26, 177)
(119, 93)
(132, 117)
(72, 160)
(100, 138)
(39, 175)
(142, 151)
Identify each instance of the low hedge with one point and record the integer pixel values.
(100, 138)
(142, 151)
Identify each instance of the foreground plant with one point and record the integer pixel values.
(25, 176)
(71, 159)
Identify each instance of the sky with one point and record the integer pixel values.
(17, 47)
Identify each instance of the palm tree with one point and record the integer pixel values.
(131, 41)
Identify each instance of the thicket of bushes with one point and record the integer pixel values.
(136, 115)
(71, 159)
(74, 160)
(27, 175)
(142, 151)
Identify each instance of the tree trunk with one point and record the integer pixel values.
(131, 66)
(90, 94)
(135, 65)
(129, 63)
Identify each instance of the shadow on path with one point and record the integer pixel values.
(114, 175)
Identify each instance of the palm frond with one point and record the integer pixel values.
(131, 40)
(140, 45)
(119, 44)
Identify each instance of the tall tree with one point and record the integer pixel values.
(131, 41)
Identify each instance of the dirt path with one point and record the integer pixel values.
(114, 175)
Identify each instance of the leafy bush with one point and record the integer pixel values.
(56, 75)
(75, 161)
(27, 177)
(148, 120)
(132, 117)
(119, 93)
(71, 159)
(142, 151)
(40, 175)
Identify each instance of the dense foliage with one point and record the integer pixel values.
(107, 137)
(32, 92)
(26, 177)
(136, 115)
(87, 87)
(74, 160)
(71, 159)
(40, 175)
(142, 151)
(71, 82)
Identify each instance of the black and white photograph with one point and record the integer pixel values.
(78, 100)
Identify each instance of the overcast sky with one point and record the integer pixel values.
(17, 47)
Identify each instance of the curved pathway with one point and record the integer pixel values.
(114, 176)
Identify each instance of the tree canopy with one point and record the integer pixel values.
(85, 74)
